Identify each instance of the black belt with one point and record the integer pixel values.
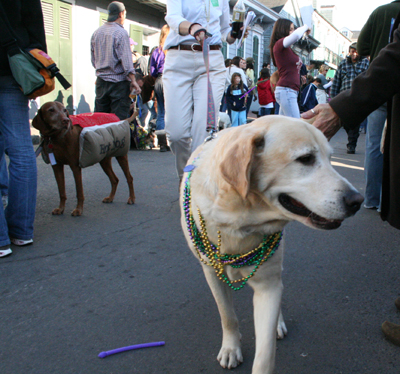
(195, 47)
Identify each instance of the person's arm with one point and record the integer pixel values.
(368, 92)
(225, 20)
(295, 36)
(365, 38)
(32, 20)
(326, 86)
(92, 54)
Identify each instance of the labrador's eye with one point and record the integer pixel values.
(51, 110)
(307, 160)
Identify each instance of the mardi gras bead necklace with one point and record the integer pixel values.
(212, 252)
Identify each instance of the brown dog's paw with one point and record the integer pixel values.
(131, 201)
(107, 200)
(57, 212)
(76, 212)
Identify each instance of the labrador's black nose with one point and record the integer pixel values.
(353, 201)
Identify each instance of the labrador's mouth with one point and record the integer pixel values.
(296, 207)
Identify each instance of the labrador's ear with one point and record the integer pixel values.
(236, 163)
(38, 122)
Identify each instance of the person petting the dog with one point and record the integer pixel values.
(16, 221)
(185, 76)
(378, 85)
(236, 103)
(288, 64)
(112, 58)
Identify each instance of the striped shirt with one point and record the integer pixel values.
(110, 52)
(346, 73)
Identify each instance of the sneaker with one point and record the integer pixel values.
(5, 251)
(370, 207)
(21, 242)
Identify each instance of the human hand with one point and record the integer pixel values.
(326, 119)
(303, 79)
(135, 86)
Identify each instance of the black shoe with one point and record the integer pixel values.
(165, 148)
(351, 150)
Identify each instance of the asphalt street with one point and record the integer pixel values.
(122, 275)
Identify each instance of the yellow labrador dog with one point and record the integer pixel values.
(238, 192)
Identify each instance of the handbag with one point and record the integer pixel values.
(33, 69)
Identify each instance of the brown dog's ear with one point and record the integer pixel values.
(236, 165)
(38, 123)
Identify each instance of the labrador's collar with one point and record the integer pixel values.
(214, 258)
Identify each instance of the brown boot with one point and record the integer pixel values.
(397, 303)
(392, 332)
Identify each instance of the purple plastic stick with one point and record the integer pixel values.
(129, 348)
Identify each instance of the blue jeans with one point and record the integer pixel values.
(264, 111)
(238, 118)
(159, 93)
(373, 157)
(3, 176)
(17, 220)
(287, 100)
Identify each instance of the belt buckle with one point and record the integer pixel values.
(192, 46)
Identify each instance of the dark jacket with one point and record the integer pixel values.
(26, 20)
(379, 84)
(376, 32)
(308, 98)
(234, 101)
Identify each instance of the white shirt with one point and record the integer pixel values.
(213, 15)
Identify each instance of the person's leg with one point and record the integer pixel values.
(374, 158)
(235, 118)
(102, 102)
(287, 99)
(15, 130)
(178, 80)
(242, 118)
(152, 110)
(159, 93)
(3, 173)
(352, 136)
(217, 79)
(248, 104)
(120, 101)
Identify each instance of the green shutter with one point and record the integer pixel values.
(136, 33)
(224, 50)
(255, 55)
(103, 18)
(57, 17)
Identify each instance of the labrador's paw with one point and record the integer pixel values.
(131, 201)
(281, 329)
(230, 357)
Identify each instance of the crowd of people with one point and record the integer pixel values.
(363, 90)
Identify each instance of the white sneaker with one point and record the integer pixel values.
(21, 242)
(5, 252)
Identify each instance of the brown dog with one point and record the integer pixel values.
(56, 128)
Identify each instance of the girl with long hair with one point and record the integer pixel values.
(288, 64)
(237, 103)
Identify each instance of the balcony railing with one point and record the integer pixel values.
(325, 54)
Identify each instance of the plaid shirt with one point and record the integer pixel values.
(346, 73)
(111, 53)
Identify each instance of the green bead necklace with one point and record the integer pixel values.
(218, 261)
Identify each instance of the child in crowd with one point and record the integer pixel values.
(236, 104)
(266, 97)
(309, 95)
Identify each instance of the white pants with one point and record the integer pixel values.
(185, 94)
(321, 96)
